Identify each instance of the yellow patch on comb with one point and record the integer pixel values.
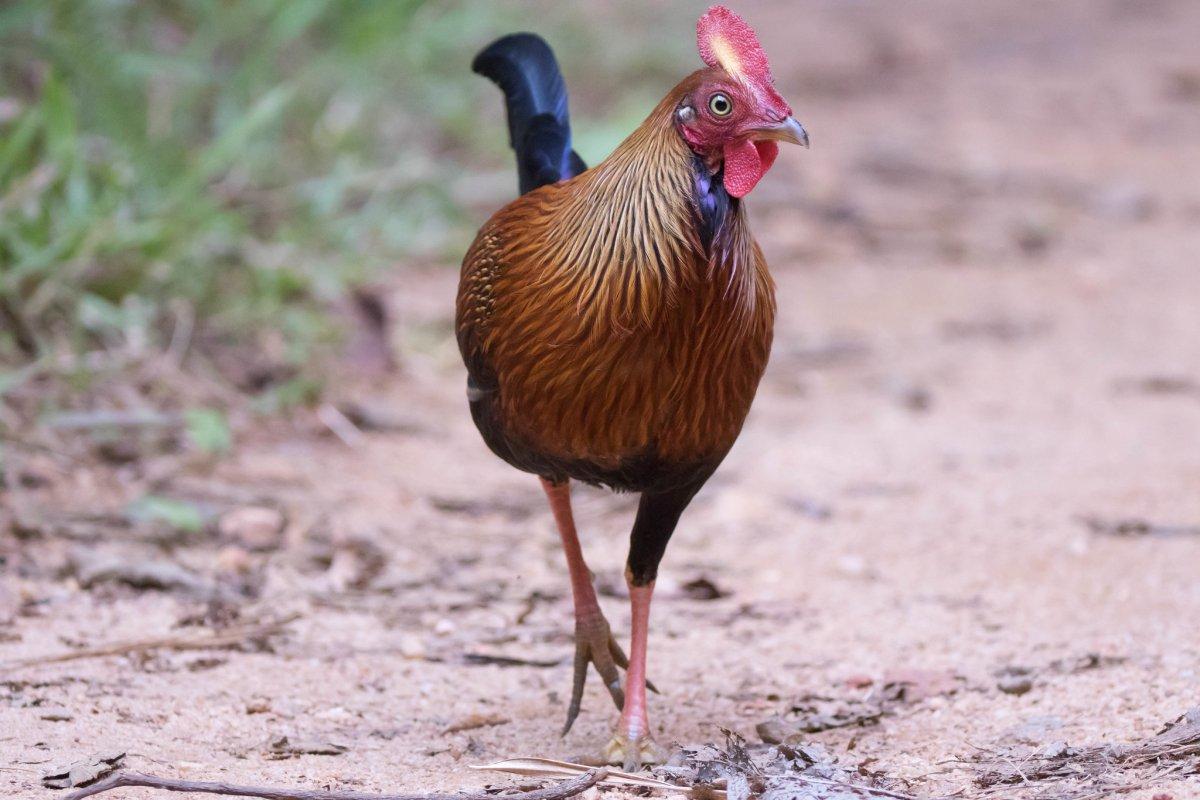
(726, 55)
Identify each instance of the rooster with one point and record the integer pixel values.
(615, 321)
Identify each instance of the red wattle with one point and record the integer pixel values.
(767, 151)
(745, 164)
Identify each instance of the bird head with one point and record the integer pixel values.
(730, 114)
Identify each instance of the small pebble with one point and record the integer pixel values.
(412, 647)
(258, 705)
(234, 560)
(774, 731)
(255, 528)
(1014, 684)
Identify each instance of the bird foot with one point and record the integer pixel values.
(595, 645)
(631, 752)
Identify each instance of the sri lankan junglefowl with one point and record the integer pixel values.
(615, 321)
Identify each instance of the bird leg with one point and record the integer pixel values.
(632, 745)
(594, 643)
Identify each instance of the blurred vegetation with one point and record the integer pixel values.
(204, 174)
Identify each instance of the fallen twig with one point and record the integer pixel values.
(475, 721)
(550, 768)
(559, 791)
(228, 638)
(479, 659)
(340, 425)
(1132, 527)
(90, 420)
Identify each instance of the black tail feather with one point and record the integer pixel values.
(539, 127)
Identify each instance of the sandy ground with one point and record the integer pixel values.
(989, 335)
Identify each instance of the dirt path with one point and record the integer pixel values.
(988, 361)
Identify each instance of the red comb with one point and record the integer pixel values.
(727, 41)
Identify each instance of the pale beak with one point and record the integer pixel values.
(788, 130)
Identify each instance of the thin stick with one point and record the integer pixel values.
(340, 425)
(559, 791)
(88, 420)
(866, 790)
(178, 643)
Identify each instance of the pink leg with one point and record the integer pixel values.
(634, 721)
(593, 639)
(632, 744)
(587, 607)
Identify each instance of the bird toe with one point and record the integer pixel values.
(631, 752)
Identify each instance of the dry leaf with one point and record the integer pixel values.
(915, 685)
(81, 773)
(282, 747)
(92, 568)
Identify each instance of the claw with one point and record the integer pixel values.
(617, 693)
(578, 680)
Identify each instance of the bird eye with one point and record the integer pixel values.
(720, 105)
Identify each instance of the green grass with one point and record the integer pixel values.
(240, 165)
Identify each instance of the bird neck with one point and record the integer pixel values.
(637, 232)
(655, 163)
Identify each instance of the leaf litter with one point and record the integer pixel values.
(1060, 771)
(813, 713)
(735, 771)
(739, 771)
